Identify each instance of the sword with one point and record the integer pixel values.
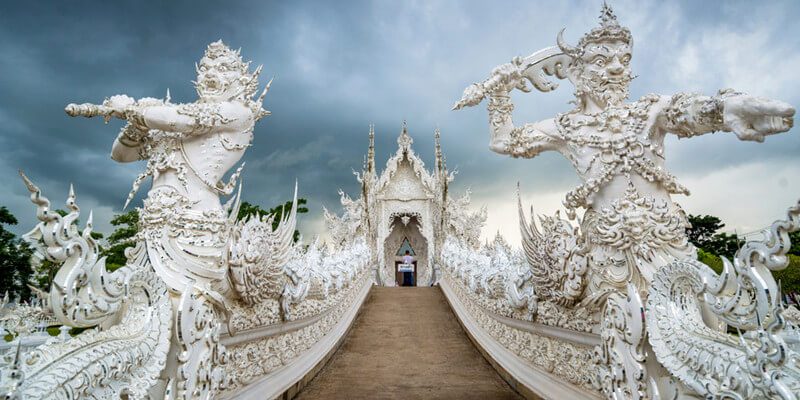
(549, 61)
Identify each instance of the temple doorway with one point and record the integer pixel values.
(405, 270)
(406, 240)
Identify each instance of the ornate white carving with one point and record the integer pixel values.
(128, 354)
(404, 189)
(557, 265)
(257, 255)
(762, 360)
(631, 227)
(193, 267)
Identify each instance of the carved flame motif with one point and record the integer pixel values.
(557, 266)
(258, 254)
(764, 360)
(132, 303)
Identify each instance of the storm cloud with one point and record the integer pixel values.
(339, 66)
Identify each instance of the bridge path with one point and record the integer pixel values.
(407, 344)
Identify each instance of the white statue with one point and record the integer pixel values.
(189, 147)
(632, 241)
(617, 148)
(162, 312)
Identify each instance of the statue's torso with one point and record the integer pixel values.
(194, 164)
(614, 151)
(183, 203)
(619, 155)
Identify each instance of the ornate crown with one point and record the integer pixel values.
(609, 29)
(233, 61)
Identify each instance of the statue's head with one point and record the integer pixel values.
(600, 62)
(223, 76)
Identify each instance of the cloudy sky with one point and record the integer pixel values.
(339, 66)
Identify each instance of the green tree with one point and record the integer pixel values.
(121, 239)
(703, 234)
(16, 272)
(246, 209)
(703, 229)
(795, 239)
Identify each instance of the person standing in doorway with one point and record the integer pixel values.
(408, 277)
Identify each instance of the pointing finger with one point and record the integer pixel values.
(774, 107)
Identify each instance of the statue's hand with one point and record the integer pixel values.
(119, 104)
(507, 77)
(752, 118)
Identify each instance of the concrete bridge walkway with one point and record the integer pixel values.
(407, 344)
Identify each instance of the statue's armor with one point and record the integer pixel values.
(187, 168)
(631, 224)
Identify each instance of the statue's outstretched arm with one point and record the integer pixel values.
(128, 144)
(188, 119)
(748, 117)
(525, 141)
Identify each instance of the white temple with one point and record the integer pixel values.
(615, 307)
(404, 208)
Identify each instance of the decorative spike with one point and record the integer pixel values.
(168, 98)
(266, 89)
(31, 187)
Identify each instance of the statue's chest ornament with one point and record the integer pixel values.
(614, 142)
(165, 151)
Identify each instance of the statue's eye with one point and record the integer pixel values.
(626, 59)
(599, 61)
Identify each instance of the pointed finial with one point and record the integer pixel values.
(607, 17)
(168, 98)
(31, 187)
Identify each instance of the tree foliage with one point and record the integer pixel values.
(121, 239)
(704, 235)
(16, 272)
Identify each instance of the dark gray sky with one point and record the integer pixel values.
(340, 65)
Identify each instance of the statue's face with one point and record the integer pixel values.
(219, 79)
(606, 74)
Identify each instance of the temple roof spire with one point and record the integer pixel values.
(439, 156)
(404, 140)
(371, 153)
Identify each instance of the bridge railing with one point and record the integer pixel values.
(548, 357)
(688, 333)
(269, 357)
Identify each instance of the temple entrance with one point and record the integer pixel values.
(405, 270)
(406, 250)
